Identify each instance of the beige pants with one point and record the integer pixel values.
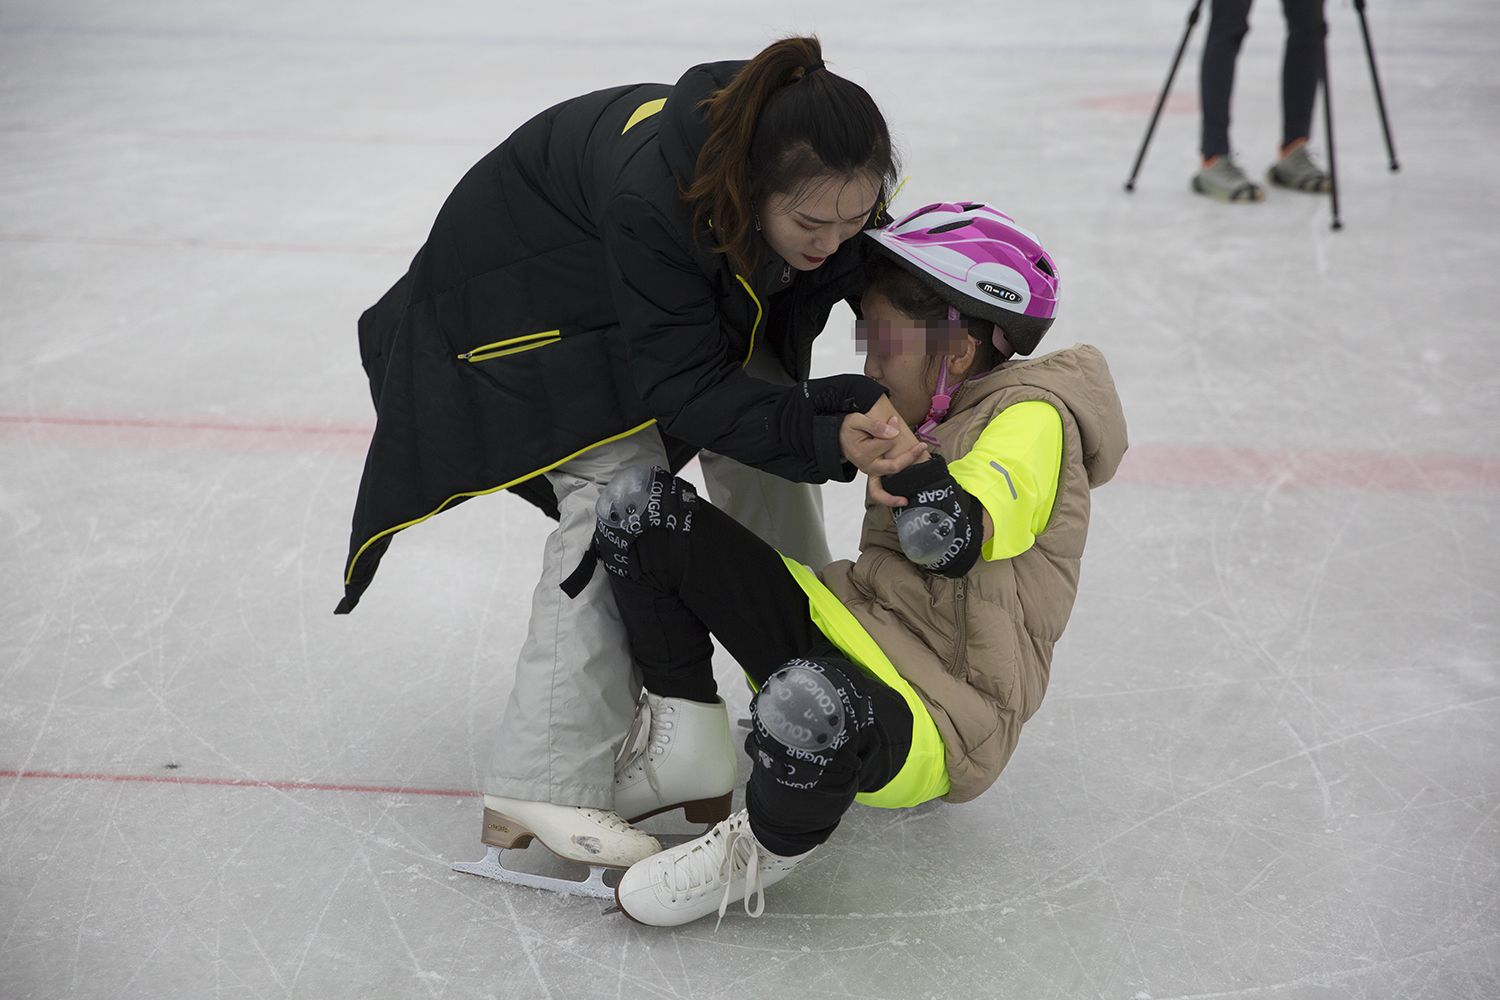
(575, 691)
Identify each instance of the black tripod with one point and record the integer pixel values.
(1333, 176)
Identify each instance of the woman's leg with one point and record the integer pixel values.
(574, 696)
(1228, 23)
(787, 516)
(1301, 68)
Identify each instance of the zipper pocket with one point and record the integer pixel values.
(514, 345)
(960, 666)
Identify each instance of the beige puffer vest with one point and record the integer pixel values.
(979, 650)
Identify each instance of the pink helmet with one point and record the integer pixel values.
(980, 262)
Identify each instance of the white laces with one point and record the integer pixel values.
(717, 857)
(605, 818)
(749, 859)
(649, 733)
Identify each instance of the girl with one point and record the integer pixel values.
(632, 276)
(905, 675)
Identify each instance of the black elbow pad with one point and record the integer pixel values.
(942, 527)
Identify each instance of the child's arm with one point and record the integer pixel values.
(1013, 470)
(878, 441)
(990, 503)
(904, 444)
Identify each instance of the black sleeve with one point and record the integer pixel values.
(680, 357)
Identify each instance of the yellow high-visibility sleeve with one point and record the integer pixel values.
(1013, 470)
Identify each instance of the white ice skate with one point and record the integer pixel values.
(692, 880)
(592, 837)
(679, 754)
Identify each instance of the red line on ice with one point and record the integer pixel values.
(1163, 465)
(285, 786)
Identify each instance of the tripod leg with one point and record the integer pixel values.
(1192, 20)
(1385, 123)
(1333, 170)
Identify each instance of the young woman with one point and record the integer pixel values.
(633, 276)
(905, 675)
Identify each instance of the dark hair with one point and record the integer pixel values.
(917, 299)
(782, 121)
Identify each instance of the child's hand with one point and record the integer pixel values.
(878, 493)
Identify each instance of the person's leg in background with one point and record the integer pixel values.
(1228, 24)
(1301, 73)
(1219, 176)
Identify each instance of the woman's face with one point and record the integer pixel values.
(902, 354)
(805, 228)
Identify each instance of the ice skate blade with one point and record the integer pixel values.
(491, 866)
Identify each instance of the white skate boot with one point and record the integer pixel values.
(593, 837)
(692, 880)
(679, 754)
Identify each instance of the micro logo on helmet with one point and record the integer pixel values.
(999, 291)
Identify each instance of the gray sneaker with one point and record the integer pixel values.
(1296, 170)
(1225, 181)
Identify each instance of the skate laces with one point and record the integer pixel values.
(716, 858)
(754, 886)
(607, 818)
(648, 733)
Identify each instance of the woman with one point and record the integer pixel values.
(634, 276)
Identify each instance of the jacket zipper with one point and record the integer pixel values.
(759, 313)
(960, 607)
(513, 345)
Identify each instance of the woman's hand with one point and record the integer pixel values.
(880, 443)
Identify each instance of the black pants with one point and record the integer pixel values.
(718, 578)
(1301, 68)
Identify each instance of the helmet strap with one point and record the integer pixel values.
(942, 396)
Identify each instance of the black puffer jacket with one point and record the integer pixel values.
(563, 300)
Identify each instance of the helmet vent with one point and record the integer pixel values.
(1045, 266)
(948, 227)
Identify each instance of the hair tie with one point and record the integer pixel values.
(808, 70)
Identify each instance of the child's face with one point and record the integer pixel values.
(902, 353)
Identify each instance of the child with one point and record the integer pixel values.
(905, 675)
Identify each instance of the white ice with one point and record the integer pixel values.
(1267, 765)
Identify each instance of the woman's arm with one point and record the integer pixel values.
(878, 442)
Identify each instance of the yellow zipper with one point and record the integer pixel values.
(501, 348)
(759, 312)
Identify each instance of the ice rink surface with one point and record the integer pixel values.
(1269, 762)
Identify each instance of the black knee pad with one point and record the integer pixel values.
(801, 707)
(805, 715)
(636, 500)
(622, 503)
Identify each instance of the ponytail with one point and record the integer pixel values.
(782, 121)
